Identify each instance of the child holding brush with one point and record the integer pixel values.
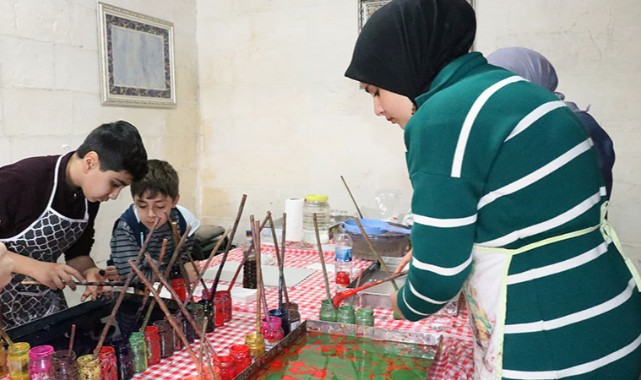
(155, 199)
(48, 206)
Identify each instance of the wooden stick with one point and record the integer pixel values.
(245, 254)
(172, 261)
(87, 283)
(227, 248)
(360, 214)
(281, 276)
(130, 277)
(6, 337)
(174, 296)
(161, 258)
(202, 271)
(282, 260)
(256, 240)
(176, 237)
(378, 256)
(322, 259)
(71, 339)
(177, 329)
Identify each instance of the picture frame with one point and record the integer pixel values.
(136, 58)
(367, 7)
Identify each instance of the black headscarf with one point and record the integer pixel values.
(404, 45)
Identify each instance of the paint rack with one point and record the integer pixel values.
(423, 345)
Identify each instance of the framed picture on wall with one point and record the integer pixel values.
(367, 7)
(136, 59)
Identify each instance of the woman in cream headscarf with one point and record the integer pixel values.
(507, 203)
(534, 67)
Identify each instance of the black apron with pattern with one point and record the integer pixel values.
(44, 240)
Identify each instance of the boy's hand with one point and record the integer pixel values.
(55, 275)
(94, 274)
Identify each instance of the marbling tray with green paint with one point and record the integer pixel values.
(325, 350)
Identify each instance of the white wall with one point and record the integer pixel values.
(280, 120)
(50, 90)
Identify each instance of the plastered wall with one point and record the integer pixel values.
(280, 120)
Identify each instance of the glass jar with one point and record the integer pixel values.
(3, 360)
(346, 314)
(227, 306)
(293, 316)
(272, 331)
(241, 355)
(327, 311)
(40, 362)
(88, 367)
(152, 341)
(256, 344)
(188, 330)
(18, 361)
(365, 316)
(282, 315)
(63, 365)
(138, 350)
(197, 312)
(108, 363)
(316, 204)
(123, 357)
(249, 266)
(166, 333)
(227, 367)
(209, 314)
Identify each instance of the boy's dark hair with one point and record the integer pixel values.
(160, 179)
(119, 147)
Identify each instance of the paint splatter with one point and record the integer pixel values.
(325, 356)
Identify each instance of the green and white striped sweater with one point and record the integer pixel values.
(508, 201)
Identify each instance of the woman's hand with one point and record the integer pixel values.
(6, 266)
(404, 261)
(54, 275)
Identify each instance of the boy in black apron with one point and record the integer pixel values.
(48, 206)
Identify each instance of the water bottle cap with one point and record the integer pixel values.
(316, 197)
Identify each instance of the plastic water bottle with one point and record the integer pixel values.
(343, 263)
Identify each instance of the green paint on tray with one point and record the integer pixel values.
(326, 356)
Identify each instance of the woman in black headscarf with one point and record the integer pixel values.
(508, 201)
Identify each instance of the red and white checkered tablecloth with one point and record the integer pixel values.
(454, 363)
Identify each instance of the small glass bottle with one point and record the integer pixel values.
(327, 311)
(249, 267)
(3, 360)
(198, 314)
(227, 367)
(346, 314)
(63, 365)
(138, 352)
(272, 331)
(166, 333)
(256, 344)
(293, 316)
(316, 204)
(225, 295)
(18, 361)
(209, 314)
(177, 282)
(282, 315)
(88, 367)
(218, 312)
(241, 355)
(108, 363)
(343, 264)
(365, 316)
(123, 356)
(152, 341)
(40, 362)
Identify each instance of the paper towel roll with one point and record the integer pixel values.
(294, 219)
